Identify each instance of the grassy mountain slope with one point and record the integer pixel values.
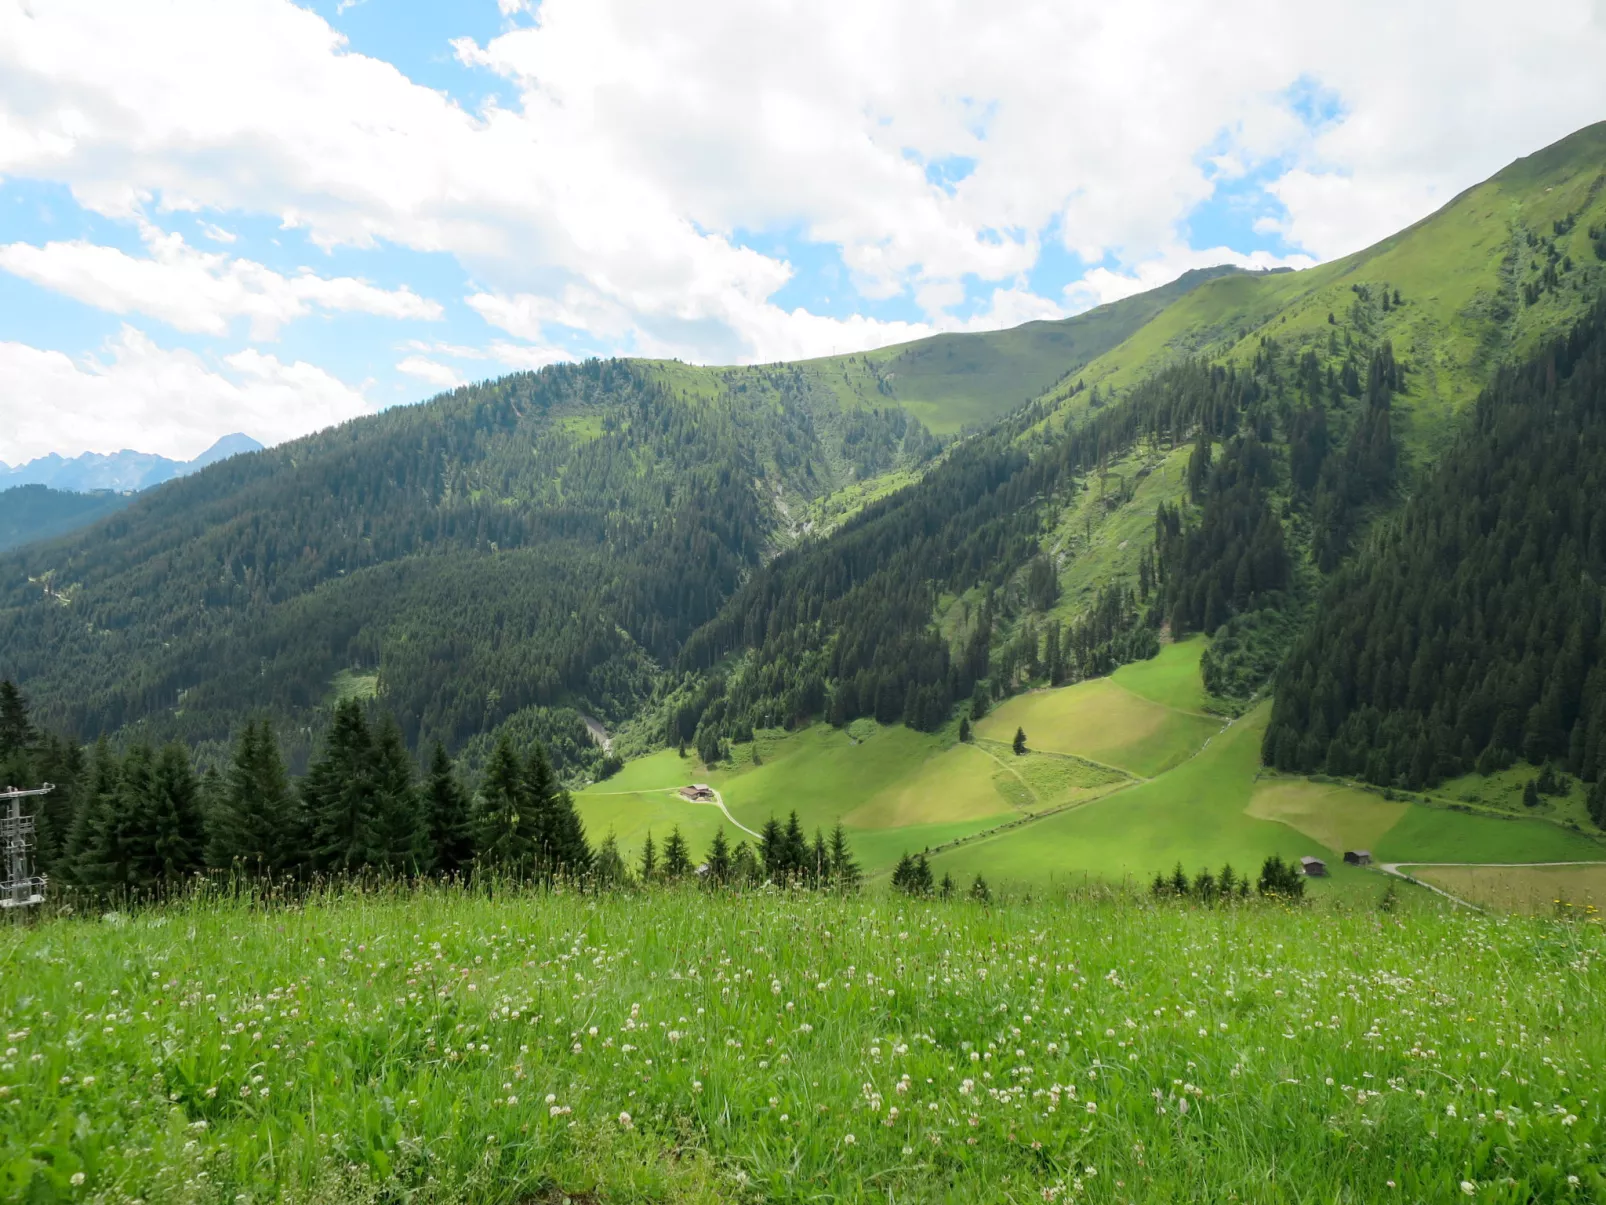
(954, 381)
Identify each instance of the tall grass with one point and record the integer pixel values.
(441, 1045)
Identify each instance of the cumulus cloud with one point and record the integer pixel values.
(935, 145)
(432, 372)
(135, 394)
(199, 291)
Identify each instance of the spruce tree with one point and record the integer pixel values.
(979, 891)
(649, 860)
(903, 874)
(924, 883)
(258, 825)
(505, 830)
(100, 787)
(341, 797)
(745, 866)
(560, 837)
(819, 860)
(177, 838)
(946, 888)
(964, 729)
(16, 729)
(772, 850)
(1020, 742)
(608, 869)
(451, 829)
(795, 858)
(719, 858)
(677, 862)
(844, 870)
(113, 859)
(398, 811)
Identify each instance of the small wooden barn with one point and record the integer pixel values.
(1357, 857)
(1314, 868)
(698, 792)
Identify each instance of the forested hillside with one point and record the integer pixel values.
(697, 552)
(1470, 634)
(37, 512)
(533, 547)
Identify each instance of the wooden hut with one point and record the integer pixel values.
(1314, 868)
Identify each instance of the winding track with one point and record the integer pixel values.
(719, 802)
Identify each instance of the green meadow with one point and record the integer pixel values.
(1124, 776)
(437, 1046)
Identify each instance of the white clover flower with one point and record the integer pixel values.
(1092, 1107)
(1469, 1188)
(625, 1122)
(848, 1140)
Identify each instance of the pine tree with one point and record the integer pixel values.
(677, 862)
(340, 795)
(1020, 742)
(649, 860)
(1530, 793)
(504, 830)
(446, 808)
(979, 891)
(719, 858)
(258, 823)
(398, 811)
(561, 844)
(964, 729)
(946, 888)
(844, 870)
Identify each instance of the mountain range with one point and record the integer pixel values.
(121, 472)
(1231, 480)
(52, 495)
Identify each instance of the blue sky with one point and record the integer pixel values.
(268, 217)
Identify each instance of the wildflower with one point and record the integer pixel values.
(1449, 1110)
(1469, 1188)
(625, 1122)
(77, 1179)
(848, 1140)
(1091, 1107)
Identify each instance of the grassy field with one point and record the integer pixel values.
(1532, 890)
(693, 1047)
(1104, 721)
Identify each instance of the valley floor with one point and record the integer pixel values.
(1124, 777)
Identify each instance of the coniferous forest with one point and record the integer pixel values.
(1469, 634)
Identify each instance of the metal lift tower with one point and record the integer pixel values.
(21, 888)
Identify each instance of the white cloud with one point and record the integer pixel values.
(199, 291)
(432, 372)
(138, 395)
(610, 192)
(1102, 285)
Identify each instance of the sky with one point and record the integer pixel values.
(268, 217)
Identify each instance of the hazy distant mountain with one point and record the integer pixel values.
(120, 471)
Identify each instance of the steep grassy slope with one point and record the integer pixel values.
(948, 382)
(1462, 274)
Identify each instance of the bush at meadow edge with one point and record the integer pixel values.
(686, 1045)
